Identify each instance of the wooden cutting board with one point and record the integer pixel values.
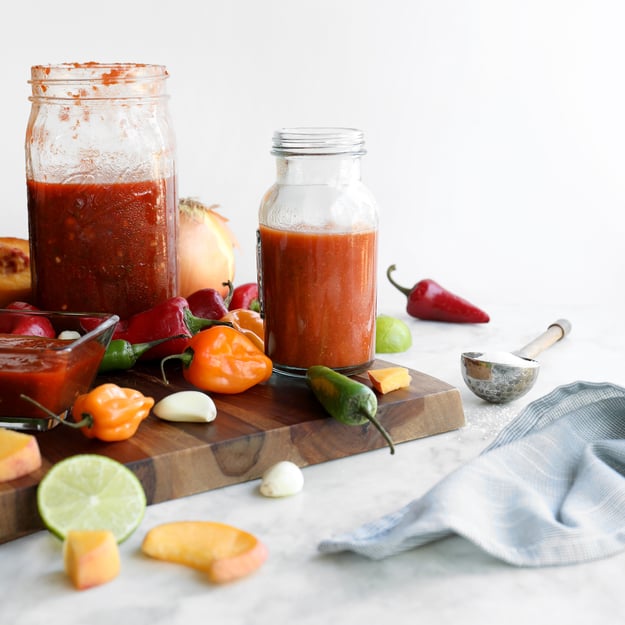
(279, 420)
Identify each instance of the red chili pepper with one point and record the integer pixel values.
(429, 300)
(208, 303)
(170, 318)
(245, 296)
(26, 325)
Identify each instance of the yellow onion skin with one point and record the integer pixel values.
(205, 249)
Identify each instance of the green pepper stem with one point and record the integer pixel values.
(380, 429)
(87, 419)
(403, 289)
(195, 324)
(138, 349)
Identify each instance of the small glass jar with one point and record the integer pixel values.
(317, 253)
(101, 186)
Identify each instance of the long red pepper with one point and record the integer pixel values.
(170, 318)
(429, 300)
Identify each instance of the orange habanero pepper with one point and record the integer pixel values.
(110, 412)
(222, 360)
(248, 322)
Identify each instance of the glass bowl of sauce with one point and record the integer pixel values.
(52, 371)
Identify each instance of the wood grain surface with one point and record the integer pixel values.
(278, 420)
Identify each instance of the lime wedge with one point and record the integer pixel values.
(91, 492)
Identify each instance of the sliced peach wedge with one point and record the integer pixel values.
(225, 553)
(19, 454)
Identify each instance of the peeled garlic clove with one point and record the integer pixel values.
(281, 480)
(188, 406)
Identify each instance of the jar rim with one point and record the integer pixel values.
(96, 72)
(93, 82)
(308, 141)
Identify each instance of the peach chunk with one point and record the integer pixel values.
(223, 552)
(389, 379)
(91, 557)
(19, 454)
(15, 278)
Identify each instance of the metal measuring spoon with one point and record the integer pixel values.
(502, 377)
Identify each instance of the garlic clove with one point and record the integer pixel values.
(186, 406)
(282, 480)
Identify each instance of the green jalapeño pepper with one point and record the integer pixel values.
(345, 399)
(121, 354)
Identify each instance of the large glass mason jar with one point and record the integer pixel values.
(101, 184)
(317, 253)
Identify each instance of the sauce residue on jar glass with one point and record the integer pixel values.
(314, 313)
(46, 370)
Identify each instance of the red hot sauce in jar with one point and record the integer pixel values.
(112, 244)
(319, 298)
(101, 183)
(317, 253)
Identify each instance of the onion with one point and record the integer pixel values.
(205, 248)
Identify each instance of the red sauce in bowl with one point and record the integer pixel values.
(47, 370)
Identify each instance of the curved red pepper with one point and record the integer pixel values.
(430, 301)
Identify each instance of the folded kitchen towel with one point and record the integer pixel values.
(549, 490)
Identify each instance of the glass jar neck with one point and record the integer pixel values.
(332, 170)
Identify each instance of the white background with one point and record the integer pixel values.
(495, 129)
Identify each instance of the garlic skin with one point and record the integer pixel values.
(186, 406)
(282, 480)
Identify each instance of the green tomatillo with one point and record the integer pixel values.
(392, 335)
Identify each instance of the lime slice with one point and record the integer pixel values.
(391, 335)
(91, 492)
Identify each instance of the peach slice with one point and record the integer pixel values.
(389, 379)
(15, 278)
(90, 557)
(223, 552)
(19, 454)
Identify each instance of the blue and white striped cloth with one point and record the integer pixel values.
(550, 489)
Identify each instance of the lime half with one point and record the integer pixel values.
(89, 492)
(391, 335)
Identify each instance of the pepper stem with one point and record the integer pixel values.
(87, 419)
(228, 297)
(195, 324)
(403, 289)
(138, 349)
(186, 357)
(380, 429)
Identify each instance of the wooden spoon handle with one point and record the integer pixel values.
(555, 332)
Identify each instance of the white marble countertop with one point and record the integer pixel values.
(448, 582)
